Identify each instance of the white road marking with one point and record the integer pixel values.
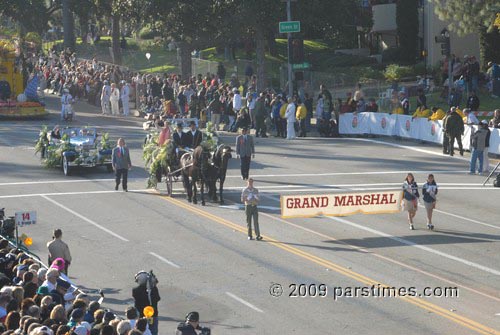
(38, 182)
(466, 219)
(413, 244)
(273, 217)
(163, 259)
(68, 193)
(84, 218)
(241, 206)
(409, 243)
(54, 182)
(244, 302)
(255, 176)
(407, 147)
(345, 173)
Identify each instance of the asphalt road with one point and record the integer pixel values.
(205, 263)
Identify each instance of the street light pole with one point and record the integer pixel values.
(289, 40)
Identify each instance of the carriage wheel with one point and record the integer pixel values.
(169, 182)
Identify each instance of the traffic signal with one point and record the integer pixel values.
(444, 39)
(297, 51)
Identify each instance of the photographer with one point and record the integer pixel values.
(191, 325)
(146, 294)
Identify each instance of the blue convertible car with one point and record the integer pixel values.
(78, 147)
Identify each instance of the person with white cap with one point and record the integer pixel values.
(115, 98)
(66, 109)
(125, 92)
(105, 98)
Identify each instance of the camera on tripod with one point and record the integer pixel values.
(7, 224)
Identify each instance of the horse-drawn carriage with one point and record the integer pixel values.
(203, 165)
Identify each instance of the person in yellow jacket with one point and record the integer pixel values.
(437, 114)
(301, 115)
(283, 108)
(398, 110)
(421, 112)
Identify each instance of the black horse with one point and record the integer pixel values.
(195, 168)
(218, 171)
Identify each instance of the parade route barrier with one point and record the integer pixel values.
(405, 126)
(341, 204)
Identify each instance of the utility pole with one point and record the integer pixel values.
(424, 49)
(289, 40)
(444, 39)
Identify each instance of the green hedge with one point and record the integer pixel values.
(395, 72)
(146, 33)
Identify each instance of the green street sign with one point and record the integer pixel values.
(301, 66)
(289, 27)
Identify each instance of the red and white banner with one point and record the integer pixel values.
(376, 202)
(406, 126)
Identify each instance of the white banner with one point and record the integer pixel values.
(431, 131)
(376, 202)
(355, 124)
(405, 126)
(495, 140)
(381, 123)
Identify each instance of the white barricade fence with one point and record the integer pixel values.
(495, 140)
(407, 127)
(356, 124)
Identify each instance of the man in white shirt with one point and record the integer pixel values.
(470, 118)
(250, 197)
(105, 98)
(125, 92)
(290, 119)
(115, 98)
(236, 101)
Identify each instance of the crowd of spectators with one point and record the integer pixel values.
(232, 104)
(35, 300)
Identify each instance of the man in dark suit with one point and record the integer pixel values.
(178, 135)
(121, 163)
(245, 150)
(193, 137)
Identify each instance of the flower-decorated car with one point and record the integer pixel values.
(76, 147)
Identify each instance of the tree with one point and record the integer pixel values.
(190, 23)
(23, 13)
(407, 27)
(114, 9)
(83, 9)
(260, 20)
(68, 25)
(470, 16)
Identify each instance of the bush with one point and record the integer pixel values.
(394, 72)
(147, 33)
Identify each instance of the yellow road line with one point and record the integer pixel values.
(466, 322)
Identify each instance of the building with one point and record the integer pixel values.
(384, 32)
